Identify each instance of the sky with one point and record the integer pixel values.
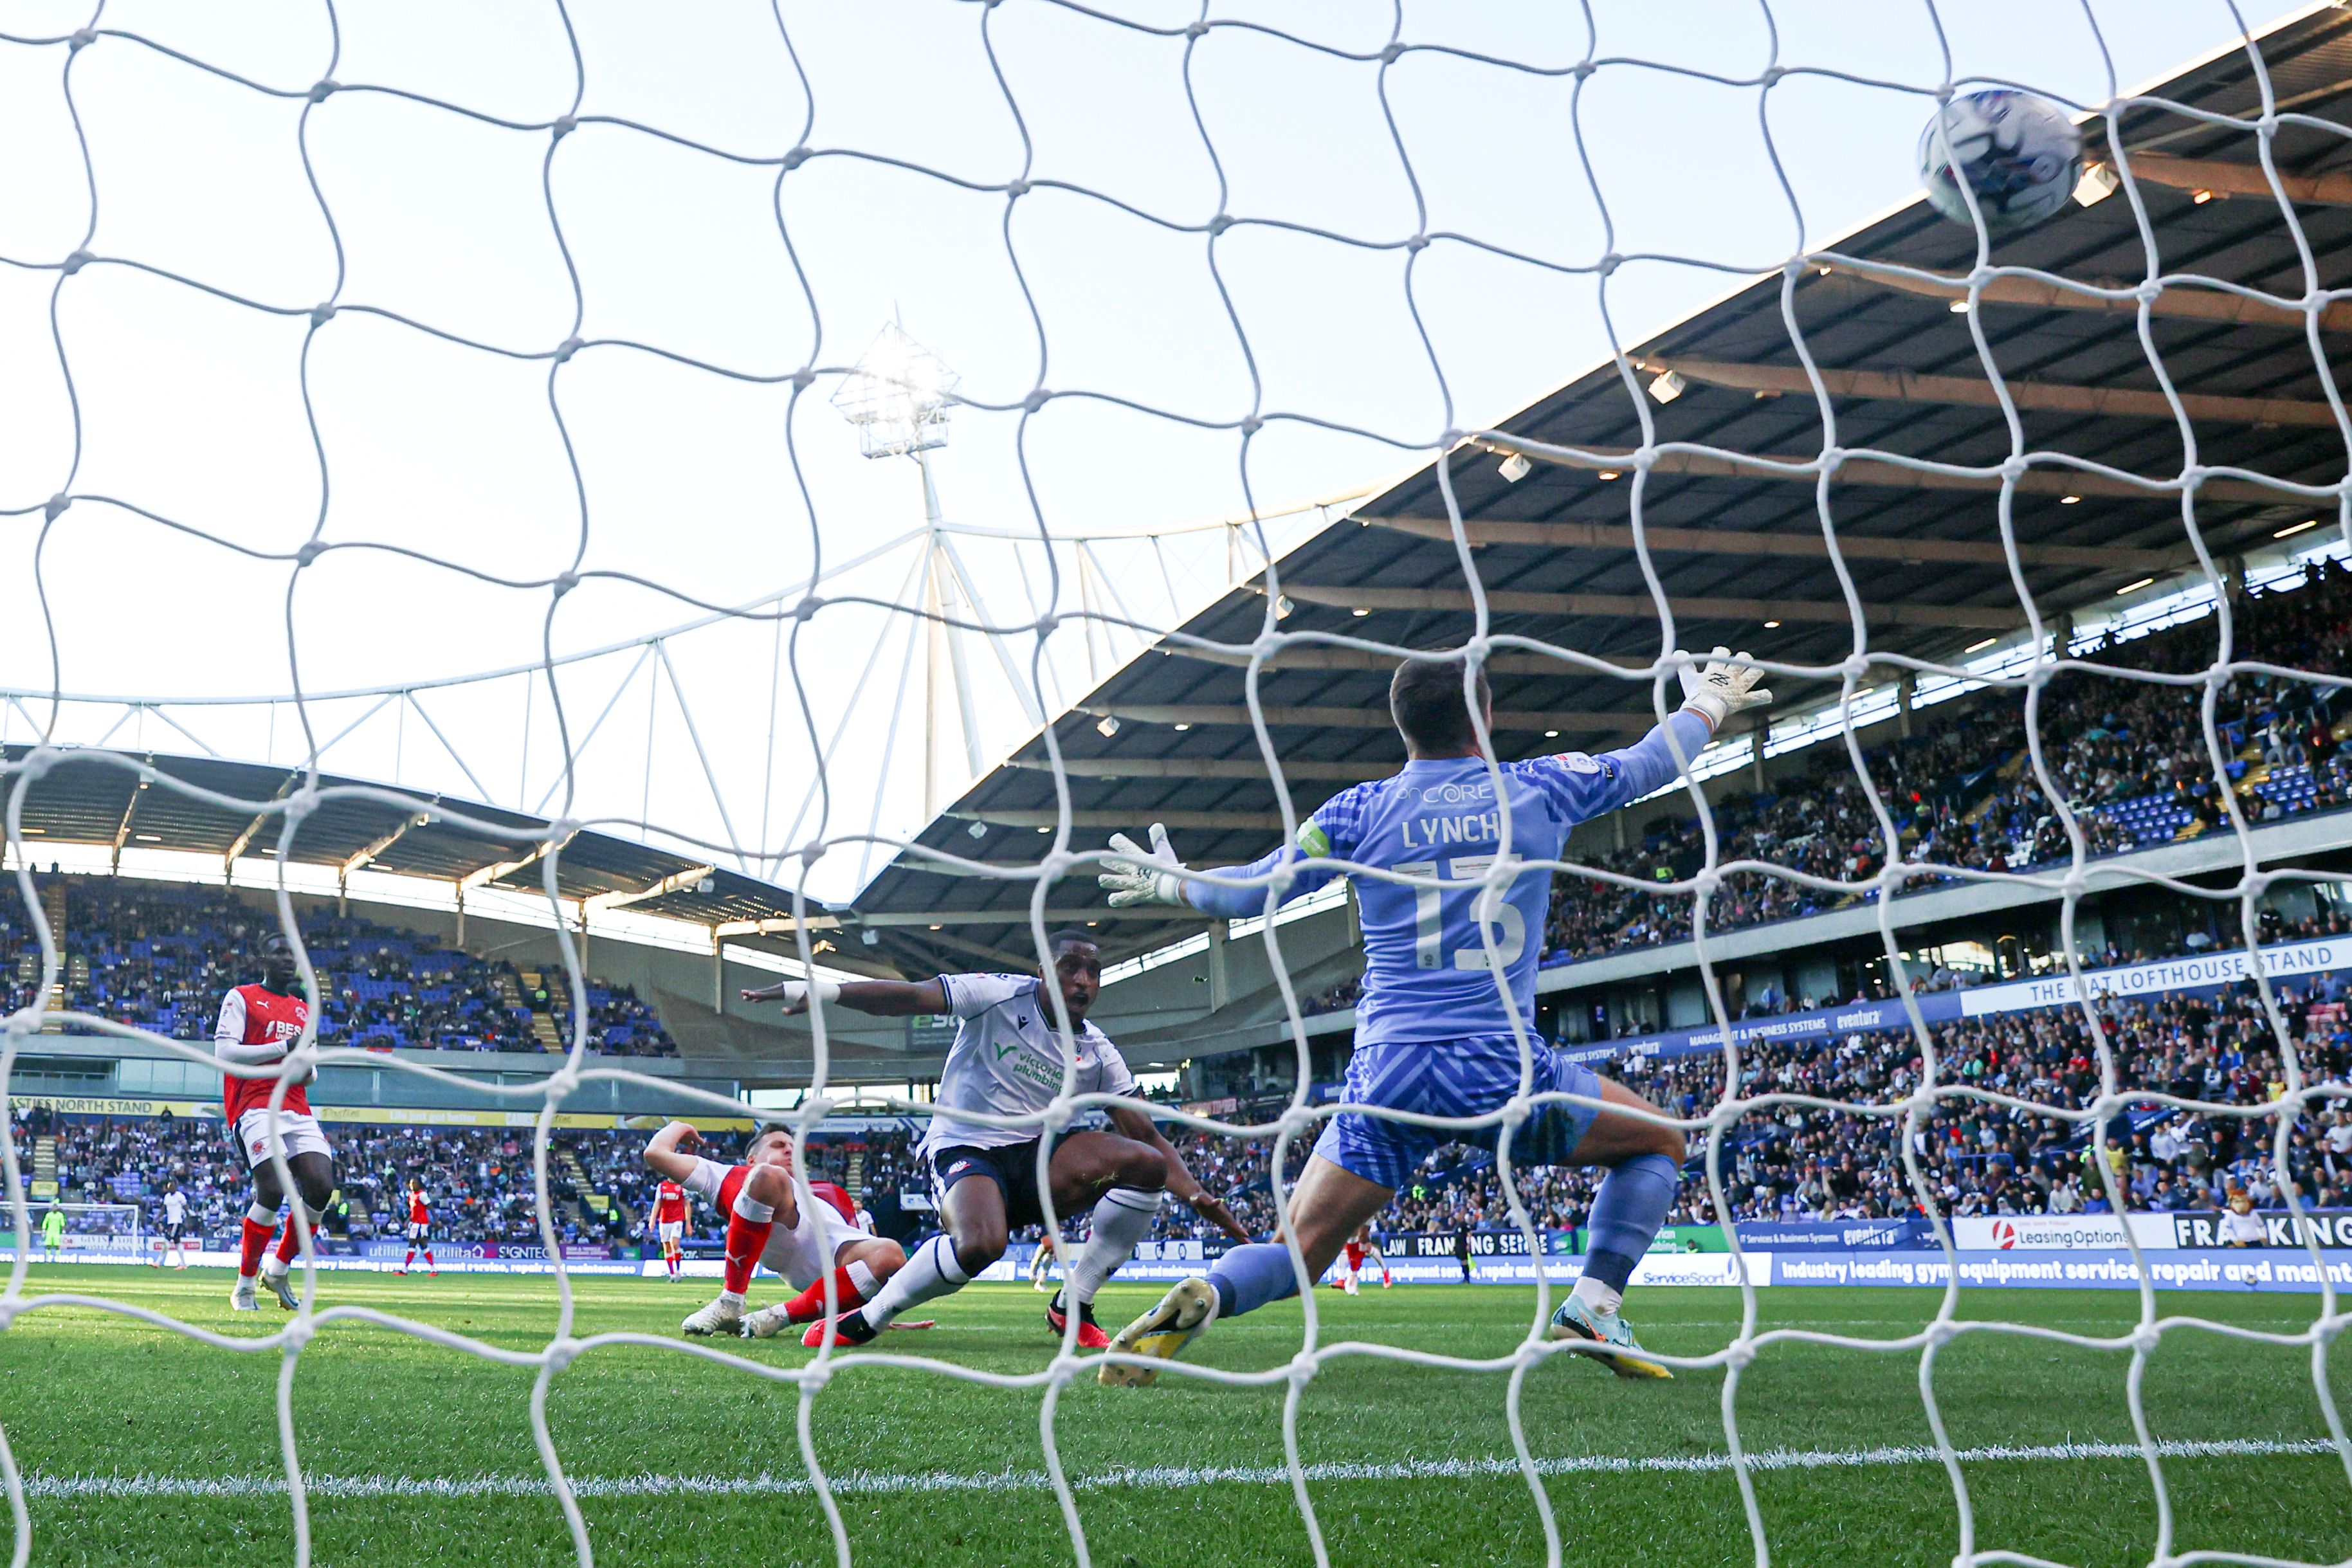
(207, 418)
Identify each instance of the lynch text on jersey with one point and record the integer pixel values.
(1482, 828)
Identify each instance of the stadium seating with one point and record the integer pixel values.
(1784, 1165)
(1822, 1164)
(2130, 756)
(159, 955)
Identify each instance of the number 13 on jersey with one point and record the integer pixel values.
(1443, 914)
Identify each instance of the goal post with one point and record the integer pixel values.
(94, 1232)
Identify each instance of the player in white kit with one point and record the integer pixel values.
(1007, 1060)
(175, 1227)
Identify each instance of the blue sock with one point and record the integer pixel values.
(1626, 1213)
(1247, 1278)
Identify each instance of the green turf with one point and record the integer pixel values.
(86, 1394)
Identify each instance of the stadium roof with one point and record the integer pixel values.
(1736, 548)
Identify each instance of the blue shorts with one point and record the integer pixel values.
(1453, 1077)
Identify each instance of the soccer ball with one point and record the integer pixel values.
(2020, 154)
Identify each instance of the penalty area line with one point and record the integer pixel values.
(1167, 1477)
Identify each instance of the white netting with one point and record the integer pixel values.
(914, 395)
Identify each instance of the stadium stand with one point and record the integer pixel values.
(1981, 1160)
(2131, 757)
(159, 955)
(1791, 1164)
(618, 1024)
(478, 1179)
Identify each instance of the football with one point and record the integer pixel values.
(2019, 153)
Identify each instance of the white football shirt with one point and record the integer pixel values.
(1007, 1060)
(175, 1207)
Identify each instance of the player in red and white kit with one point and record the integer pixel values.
(257, 1024)
(1362, 1246)
(669, 1221)
(1351, 1259)
(813, 1247)
(1367, 1247)
(420, 1230)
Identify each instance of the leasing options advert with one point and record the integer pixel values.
(2072, 1232)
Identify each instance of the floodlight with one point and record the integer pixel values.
(1667, 387)
(897, 396)
(1106, 726)
(1514, 467)
(2097, 183)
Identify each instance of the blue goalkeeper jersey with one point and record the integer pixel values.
(1428, 975)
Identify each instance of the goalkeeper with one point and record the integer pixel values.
(1433, 1028)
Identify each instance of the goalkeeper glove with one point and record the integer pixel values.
(1717, 689)
(1133, 881)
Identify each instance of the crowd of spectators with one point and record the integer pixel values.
(1785, 1163)
(478, 1181)
(1981, 1157)
(159, 955)
(1337, 998)
(619, 1024)
(1779, 1162)
(2129, 754)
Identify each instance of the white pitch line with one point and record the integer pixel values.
(1155, 1478)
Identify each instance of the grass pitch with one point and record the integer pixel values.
(142, 1446)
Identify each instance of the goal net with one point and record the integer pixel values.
(392, 358)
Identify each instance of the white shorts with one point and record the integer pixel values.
(420, 1232)
(805, 1256)
(675, 1230)
(297, 1130)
